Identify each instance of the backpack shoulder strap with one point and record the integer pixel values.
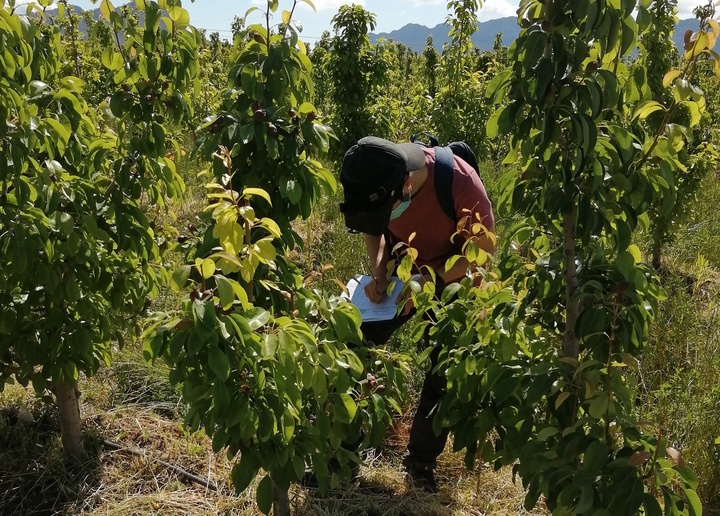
(464, 151)
(444, 172)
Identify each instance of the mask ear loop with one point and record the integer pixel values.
(407, 196)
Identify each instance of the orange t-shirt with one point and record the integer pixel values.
(432, 227)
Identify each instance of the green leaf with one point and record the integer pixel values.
(293, 190)
(152, 346)
(271, 226)
(270, 345)
(286, 17)
(71, 372)
(651, 505)
(288, 422)
(206, 267)
(227, 256)
(64, 94)
(545, 73)
(587, 496)
(244, 472)
(266, 250)
(226, 292)
(695, 503)
(257, 318)
(591, 322)
(62, 222)
(546, 433)
(596, 456)
(179, 277)
(248, 192)
(670, 77)
(345, 408)
(305, 109)
(635, 252)
(240, 294)
(647, 108)
(72, 290)
(694, 109)
(106, 8)
(264, 495)
(599, 405)
(625, 263)
(561, 398)
(218, 362)
(179, 16)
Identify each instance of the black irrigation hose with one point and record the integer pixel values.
(177, 469)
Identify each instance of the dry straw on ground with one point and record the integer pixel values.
(35, 480)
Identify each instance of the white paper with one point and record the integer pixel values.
(383, 311)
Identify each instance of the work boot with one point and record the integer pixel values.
(420, 475)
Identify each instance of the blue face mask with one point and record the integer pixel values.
(404, 205)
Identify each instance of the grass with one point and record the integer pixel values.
(680, 389)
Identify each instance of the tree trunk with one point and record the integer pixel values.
(281, 500)
(66, 396)
(571, 346)
(657, 253)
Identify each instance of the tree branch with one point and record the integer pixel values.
(177, 469)
(571, 345)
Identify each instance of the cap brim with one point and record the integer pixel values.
(372, 222)
(415, 156)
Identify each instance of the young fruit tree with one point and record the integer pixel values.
(540, 360)
(77, 247)
(271, 369)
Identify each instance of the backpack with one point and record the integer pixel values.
(444, 168)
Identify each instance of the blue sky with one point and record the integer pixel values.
(217, 15)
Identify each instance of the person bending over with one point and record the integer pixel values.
(389, 195)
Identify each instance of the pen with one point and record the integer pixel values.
(371, 272)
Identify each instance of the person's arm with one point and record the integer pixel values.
(378, 254)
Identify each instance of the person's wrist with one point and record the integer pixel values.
(381, 284)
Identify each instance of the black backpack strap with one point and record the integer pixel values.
(424, 139)
(444, 172)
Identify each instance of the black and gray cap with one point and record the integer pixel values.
(372, 175)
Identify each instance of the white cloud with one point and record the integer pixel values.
(685, 8)
(330, 5)
(493, 9)
(429, 2)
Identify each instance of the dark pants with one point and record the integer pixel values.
(424, 445)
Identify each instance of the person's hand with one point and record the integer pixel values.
(376, 289)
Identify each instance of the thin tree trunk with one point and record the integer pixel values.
(657, 253)
(571, 346)
(281, 500)
(66, 395)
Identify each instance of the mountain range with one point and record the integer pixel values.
(414, 36)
